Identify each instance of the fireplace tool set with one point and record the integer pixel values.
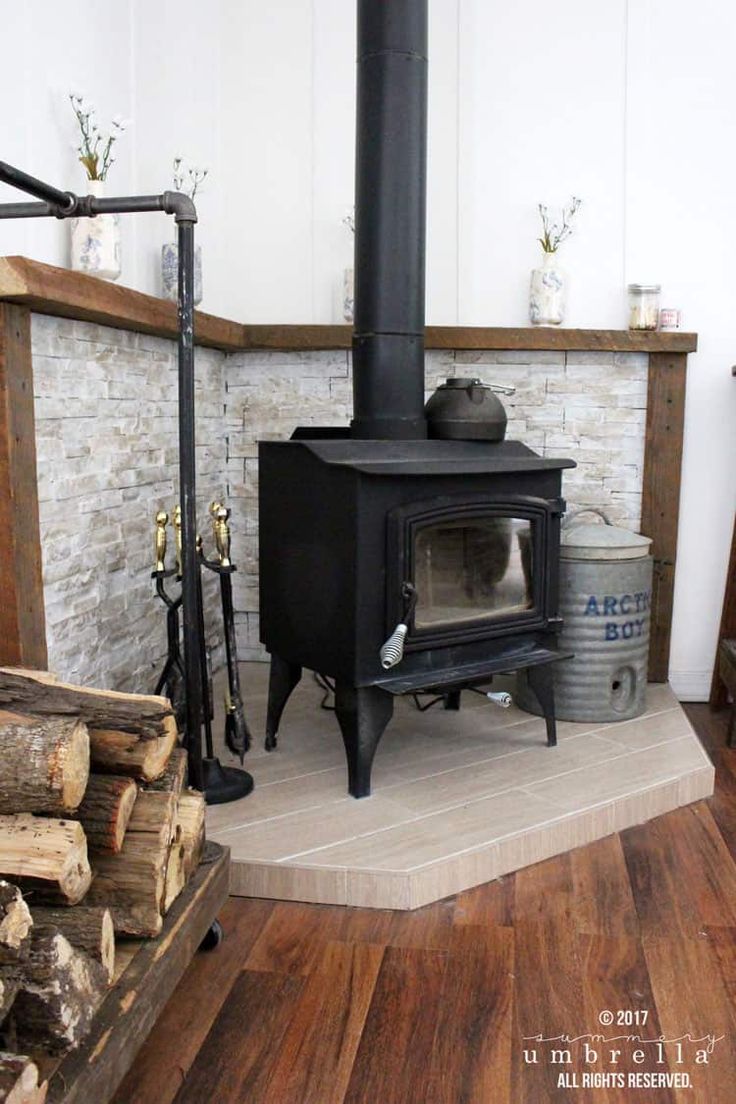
(172, 678)
(218, 783)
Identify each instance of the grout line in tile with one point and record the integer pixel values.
(305, 774)
(647, 747)
(277, 816)
(348, 839)
(529, 790)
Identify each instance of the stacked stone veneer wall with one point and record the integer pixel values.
(106, 427)
(106, 435)
(589, 406)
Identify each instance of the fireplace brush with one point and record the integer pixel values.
(219, 783)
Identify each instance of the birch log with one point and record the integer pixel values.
(19, 1080)
(106, 811)
(61, 993)
(87, 928)
(115, 752)
(39, 692)
(46, 858)
(45, 763)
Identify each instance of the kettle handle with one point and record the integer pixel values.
(585, 510)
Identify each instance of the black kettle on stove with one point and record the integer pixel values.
(465, 409)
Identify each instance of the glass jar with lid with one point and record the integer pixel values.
(644, 306)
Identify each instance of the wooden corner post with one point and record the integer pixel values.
(22, 620)
(660, 508)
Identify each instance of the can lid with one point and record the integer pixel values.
(593, 541)
(638, 289)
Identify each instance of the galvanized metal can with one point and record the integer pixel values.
(605, 599)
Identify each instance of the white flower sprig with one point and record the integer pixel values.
(95, 148)
(188, 178)
(553, 234)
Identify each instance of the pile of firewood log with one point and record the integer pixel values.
(98, 836)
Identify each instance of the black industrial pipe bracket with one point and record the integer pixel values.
(63, 205)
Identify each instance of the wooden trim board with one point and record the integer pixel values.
(22, 618)
(660, 508)
(131, 1008)
(51, 290)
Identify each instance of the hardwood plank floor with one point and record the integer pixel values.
(307, 1004)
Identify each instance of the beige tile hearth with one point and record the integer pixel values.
(459, 798)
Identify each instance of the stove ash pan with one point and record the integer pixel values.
(455, 542)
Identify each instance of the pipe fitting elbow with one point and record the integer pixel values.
(180, 206)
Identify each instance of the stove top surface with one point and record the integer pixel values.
(420, 457)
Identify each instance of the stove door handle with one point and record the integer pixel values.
(392, 651)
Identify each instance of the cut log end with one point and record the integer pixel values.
(75, 768)
(106, 810)
(46, 856)
(45, 763)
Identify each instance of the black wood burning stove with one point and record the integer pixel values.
(390, 562)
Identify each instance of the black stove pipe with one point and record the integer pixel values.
(390, 218)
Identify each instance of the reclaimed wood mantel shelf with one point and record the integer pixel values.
(50, 290)
(29, 286)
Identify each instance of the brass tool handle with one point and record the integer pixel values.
(177, 540)
(162, 520)
(220, 516)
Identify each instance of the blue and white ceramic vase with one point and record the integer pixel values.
(547, 293)
(170, 272)
(95, 242)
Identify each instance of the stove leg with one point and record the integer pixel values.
(452, 699)
(363, 713)
(283, 678)
(541, 681)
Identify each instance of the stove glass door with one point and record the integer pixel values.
(472, 569)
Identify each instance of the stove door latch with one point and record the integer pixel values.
(392, 651)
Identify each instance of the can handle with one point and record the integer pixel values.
(585, 510)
